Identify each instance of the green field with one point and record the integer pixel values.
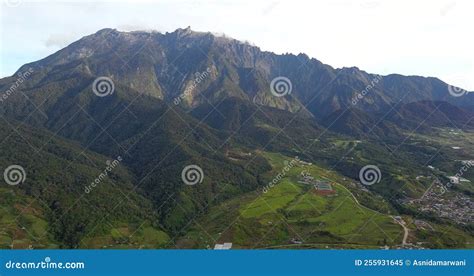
(128, 236)
(291, 212)
(22, 222)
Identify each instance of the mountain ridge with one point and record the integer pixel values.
(164, 65)
(185, 98)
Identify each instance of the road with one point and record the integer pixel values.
(407, 231)
(401, 221)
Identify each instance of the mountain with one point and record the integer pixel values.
(156, 140)
(195, 70)
(431, 114)
(166, 66)
(58, 203)
(257, 126)
(357, 123)
(168, 102)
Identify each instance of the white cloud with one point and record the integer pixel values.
(60, 40)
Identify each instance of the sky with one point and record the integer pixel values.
(417, 37)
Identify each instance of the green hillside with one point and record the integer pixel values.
(51, 207)
(293, 215)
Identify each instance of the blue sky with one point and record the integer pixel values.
(427, 38)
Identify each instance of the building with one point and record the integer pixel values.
(454, 179)
(224, 246)
(295, 241)
(323, 188)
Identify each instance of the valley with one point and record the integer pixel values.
(292, 215)
(187, 144)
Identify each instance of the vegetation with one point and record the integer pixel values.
(241, 136)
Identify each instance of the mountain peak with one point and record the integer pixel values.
(105, 31)
(186, 30)
(164, 66)
(186, 33)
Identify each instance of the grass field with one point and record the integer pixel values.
(22, 222)
(23, 225)
(128, 236)
(291, 212)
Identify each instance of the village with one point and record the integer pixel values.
(321, 187)
(454, 206)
